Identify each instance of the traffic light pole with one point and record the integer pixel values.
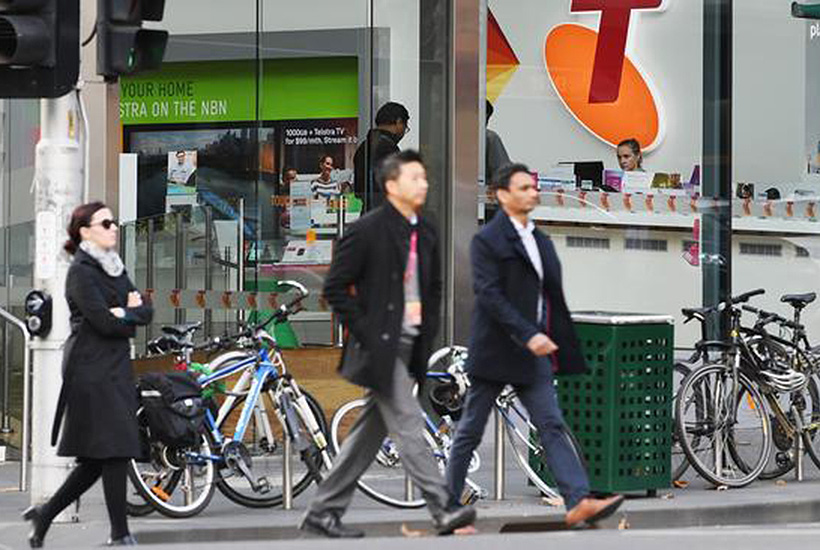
(58, 184)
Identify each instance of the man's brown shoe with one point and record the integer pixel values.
(591, 510)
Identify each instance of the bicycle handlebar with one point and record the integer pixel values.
(767, 317)
(743, 298)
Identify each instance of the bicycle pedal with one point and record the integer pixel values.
(262, 485)
(163, 496)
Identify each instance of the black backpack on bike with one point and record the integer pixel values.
(172, 408)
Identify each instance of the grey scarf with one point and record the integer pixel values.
(108, 259)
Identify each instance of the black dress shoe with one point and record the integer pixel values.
(127, 540)
(39, 526)
(328, 525)
(455, 518)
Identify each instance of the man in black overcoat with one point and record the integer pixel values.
(385, 284)
(521, 334)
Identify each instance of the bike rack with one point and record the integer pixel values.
(500, 473)
(287, 475)
(24, 444)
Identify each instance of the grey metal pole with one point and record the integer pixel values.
(287, 474)
(240, 243)
(25, 440)
(499, 456)
(179, 264)
(716, 225)
(798, 446)
(58, 184)
(149, 267)
(209, 267)
(5, 186)
(409, 488)
(340, 230)
(240, 256)
(6, 429)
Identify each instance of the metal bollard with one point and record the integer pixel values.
(409, 489)
(287, 475)
(798, 446)
(499, 456)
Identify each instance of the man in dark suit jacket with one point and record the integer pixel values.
(521, 333)
(381, 142)
(385, 284)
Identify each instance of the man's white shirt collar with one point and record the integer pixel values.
(529, 228)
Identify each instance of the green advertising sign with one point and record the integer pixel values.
(225, 91)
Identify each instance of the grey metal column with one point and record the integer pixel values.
(24, 424)
(149, 267)
(499, 465)
(240, 256)
(209, 266)
(5, 192)
(181, 258)
(716, 230)
(287, 473)
(464, 147)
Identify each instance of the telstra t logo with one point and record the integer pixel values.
(595, 78)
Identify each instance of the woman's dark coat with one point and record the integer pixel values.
(98, 400)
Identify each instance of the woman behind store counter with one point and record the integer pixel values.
(98, 399)
(324, 187)
(630, 157)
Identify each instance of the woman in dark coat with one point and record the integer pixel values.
(98, 401)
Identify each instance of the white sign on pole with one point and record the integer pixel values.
(45, 264)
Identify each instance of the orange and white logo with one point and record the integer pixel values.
(595, 77)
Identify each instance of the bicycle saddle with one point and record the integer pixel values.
(181, 330)
(799, 300)
(698, 313)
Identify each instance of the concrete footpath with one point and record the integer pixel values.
(763, 503)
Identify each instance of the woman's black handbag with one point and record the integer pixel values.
(172, 408)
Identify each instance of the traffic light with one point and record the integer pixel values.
(38, 313)
(123, 46)
(39, 47)
(806, 11)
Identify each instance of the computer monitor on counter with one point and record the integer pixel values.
(588, 174)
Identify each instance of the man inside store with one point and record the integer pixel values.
(385, 284)
(381, 141)
(495, 156)
(521, 334)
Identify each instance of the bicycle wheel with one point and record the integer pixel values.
(251, 474)
(135, 505)
(784, 406)
(385, 481)
(526, 445)
(178, 483)
(720, 425)
(680, 464)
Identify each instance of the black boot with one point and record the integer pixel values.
(34, 514)
(448, 521)
(328, 525)
(127, 540)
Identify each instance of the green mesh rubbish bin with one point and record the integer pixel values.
(621, 410)
(283, 332)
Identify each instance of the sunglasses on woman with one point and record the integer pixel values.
(106, 224)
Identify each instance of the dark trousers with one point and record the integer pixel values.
(541, 403)
(113, 472)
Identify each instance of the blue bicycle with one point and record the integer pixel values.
(241, 447)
